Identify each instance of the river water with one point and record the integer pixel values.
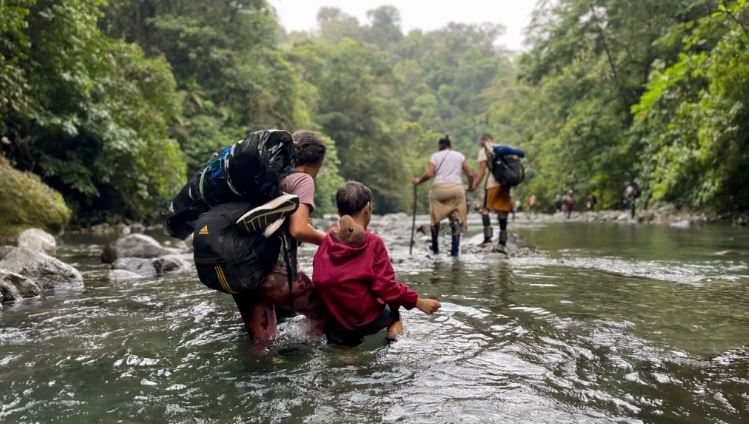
(581, 323)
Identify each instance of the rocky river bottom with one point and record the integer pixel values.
(582, 322)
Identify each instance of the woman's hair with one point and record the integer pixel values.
(308, 148)
(352, 197)
(444, 142)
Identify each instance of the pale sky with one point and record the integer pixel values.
(299, 15)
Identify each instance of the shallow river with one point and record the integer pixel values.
(582, 323)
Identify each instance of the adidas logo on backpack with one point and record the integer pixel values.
(203, 231)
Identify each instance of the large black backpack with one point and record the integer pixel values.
(232, 260)
(508, 170)
(247, 171)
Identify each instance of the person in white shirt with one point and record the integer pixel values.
(447, 197)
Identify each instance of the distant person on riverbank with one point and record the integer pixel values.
(258, 307)
(355, 279)
(591, 201)
(447, 197)
(568, 203)
(630, 196)
(496, 197)
(531, 202)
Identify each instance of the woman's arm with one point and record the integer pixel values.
(480, 176)
(428, 174)
(469, 174)
(301, 229)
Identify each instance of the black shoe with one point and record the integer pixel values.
(269, 216)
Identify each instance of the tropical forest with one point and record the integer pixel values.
(107, 106)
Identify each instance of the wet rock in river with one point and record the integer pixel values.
(684, 223)
(140, 266)
(41, 268)
(15, 286)
(38, 240)
(424, 229)
(176, 263)
(134, 246)
(123, 275)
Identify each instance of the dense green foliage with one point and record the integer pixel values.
(694, 118)
(88, 113)
(651, 91)
(27, 202)
(225, 61)
(112, 103)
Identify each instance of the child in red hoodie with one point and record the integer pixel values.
(356, 281)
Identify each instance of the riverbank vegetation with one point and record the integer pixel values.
(113, 103)
(25, 201)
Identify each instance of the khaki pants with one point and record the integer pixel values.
(446, 199)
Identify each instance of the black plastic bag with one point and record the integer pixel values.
(249, 171)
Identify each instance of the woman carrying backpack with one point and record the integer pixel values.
(258, 307)
(447, 197)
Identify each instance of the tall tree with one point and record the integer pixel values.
(352, 86)
(589, 64)
(78, 102)
(225, 60)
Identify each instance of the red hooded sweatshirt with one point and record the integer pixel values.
(355, 281)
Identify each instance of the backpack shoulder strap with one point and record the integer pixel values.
(489, 154)
(441, 162)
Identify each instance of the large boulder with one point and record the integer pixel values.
(39, 240)
(15, 286)
(27, 202)
(42, 268)
(141, 266)
(134, 246)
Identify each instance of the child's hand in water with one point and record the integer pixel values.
(428, 306)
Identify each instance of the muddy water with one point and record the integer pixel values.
(581, 323)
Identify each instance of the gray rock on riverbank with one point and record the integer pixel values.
(134, 246)
(142, 255)
(15, 286)
(149, 267)
(43, 269)
(38, 240)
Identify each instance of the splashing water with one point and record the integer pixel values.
(581, 323)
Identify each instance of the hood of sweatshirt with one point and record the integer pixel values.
(341, 252)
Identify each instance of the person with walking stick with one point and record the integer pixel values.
(447, 197)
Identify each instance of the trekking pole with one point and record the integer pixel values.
(413, 225)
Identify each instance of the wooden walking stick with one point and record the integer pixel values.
(413, 225)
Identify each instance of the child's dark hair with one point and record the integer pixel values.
(486, 137)
(308, 148)
(352, 197)
(444, 142)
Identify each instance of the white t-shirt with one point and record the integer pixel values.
(482, 157)
(448, 165)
